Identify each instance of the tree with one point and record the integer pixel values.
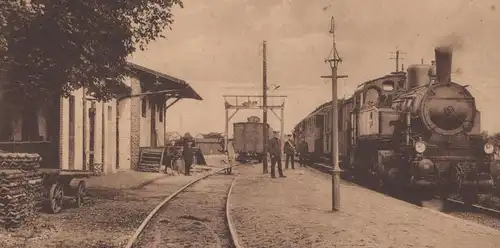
(52, 47)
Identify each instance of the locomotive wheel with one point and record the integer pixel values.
(469, 198)
(56, 197)
(81, 193)
(380, 184)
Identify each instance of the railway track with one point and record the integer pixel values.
(197, 215)
(476, 208)
(454, 207)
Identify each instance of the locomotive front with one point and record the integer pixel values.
(445, 146)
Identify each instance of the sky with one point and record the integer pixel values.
(216, 46)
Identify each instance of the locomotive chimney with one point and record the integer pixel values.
(443, 64)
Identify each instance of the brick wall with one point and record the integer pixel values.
(135, 119)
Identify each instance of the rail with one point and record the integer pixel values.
(475, 207)
(146, 221)
(232, 230)
(478, 208)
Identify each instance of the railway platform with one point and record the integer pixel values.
(296, 212)
(125, 180)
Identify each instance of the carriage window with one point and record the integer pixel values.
(371, 97)
(388, 85)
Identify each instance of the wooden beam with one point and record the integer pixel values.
(172, 103)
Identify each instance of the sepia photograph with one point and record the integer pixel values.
(249, 123)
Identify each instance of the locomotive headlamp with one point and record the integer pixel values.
(420, 147)
(489, 148)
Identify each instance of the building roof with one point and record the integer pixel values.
(207, 140)
(180, 87)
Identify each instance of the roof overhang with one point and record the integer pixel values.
(163, 84)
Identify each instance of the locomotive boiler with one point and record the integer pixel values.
(416, 130)
(442, 148)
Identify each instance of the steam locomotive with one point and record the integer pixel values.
(415, 130)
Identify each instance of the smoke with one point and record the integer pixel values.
(452, 40)
(458, 71)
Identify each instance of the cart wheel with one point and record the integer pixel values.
(81, 193)
(56, 196)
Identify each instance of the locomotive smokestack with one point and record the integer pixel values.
(443, 63)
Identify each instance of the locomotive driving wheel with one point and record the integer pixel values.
(469, 198)
(468, 194)
(378, 181)
(380, 184)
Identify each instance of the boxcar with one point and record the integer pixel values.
(248, 139)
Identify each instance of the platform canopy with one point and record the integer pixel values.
(154, 81)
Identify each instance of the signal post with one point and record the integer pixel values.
(335, 139)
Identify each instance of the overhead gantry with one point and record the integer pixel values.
(238, 102)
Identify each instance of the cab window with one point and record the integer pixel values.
(388, 85)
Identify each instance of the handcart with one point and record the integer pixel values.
(64, 185)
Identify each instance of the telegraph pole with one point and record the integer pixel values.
(335, 148)
(264, 106)
(397, 58)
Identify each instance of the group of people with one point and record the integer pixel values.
(188, 154)
(290, 150)
(274, 151)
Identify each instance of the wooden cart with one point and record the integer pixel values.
(61, 185)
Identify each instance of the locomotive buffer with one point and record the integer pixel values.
(335, 139)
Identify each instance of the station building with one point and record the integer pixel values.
(81, 133)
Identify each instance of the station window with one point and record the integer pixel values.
(161, 113)
(144, 107)
(339, 125)
(110, 113)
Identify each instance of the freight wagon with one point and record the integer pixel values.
(248, 139)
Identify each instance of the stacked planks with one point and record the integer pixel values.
(21, 188)
(151, 160)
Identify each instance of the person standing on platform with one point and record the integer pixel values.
(187, 153)
(275, 153)
(194, 151)
(170, 156)
(303, 149)
(290, 152)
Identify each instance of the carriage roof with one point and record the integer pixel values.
(358, 89)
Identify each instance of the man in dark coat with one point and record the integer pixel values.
(187, 154)
(302, 150)
(289, 152)
(275, 152)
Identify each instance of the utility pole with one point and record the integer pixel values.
(264, 106)
(84, 129)
(398, 58)
(335, 148)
